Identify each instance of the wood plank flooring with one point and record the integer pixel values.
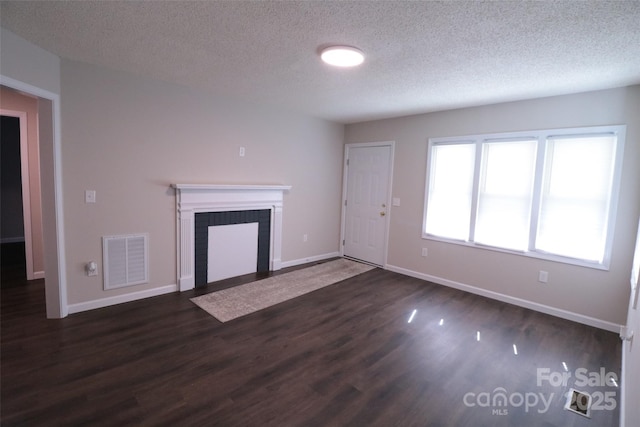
(344, 355)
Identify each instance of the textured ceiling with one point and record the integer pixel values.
(421, 56)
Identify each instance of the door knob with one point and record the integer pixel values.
(383, 213)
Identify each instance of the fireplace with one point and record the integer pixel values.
(226, 205)
(231, 243)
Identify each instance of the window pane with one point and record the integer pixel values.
(576, 192)
(450, 189)
(505, 194)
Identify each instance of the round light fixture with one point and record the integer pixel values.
(342, 56)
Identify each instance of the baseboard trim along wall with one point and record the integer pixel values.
(315, 258)
(564, 314)
(119, 299)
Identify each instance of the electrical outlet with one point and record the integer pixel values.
(425, 251)
(90, 196)
(543, 276)
(91, 268)
(304, 237)
(241, 152)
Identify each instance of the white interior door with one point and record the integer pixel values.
(368, 173)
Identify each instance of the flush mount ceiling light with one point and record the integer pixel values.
(342, 56)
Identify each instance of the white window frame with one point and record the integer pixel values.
(542, 136)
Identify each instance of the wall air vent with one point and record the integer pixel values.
(125, 260)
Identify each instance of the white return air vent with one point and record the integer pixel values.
(125, 260)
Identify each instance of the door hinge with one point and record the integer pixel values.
(347, 162)
(342, 242)
(345, 202)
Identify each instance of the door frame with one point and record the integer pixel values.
(55, 282)
(345, 186)
(26, 188)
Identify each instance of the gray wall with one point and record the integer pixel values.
(601, 295)
(128, 138)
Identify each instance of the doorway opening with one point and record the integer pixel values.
(12, 236)
(47, 129)
(21, 222)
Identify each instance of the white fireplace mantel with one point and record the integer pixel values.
(196, 198)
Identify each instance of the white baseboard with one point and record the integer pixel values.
(119, 299)
(564, 314)
(38, 275)
(12, 240)
(315, 258)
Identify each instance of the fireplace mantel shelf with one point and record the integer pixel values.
(230, 187)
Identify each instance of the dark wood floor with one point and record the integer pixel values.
(344, 355)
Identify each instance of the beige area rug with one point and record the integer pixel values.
(231, 303)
